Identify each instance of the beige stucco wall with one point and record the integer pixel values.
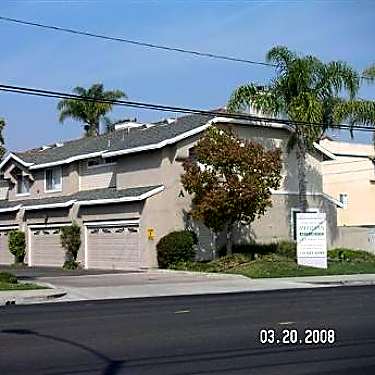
(275, 225)
(162, 166)
(105, 212)
(354, 238)
(96, 177)
(146, 168)
(354, 176)
(50, 216)
(271, 138)
(9, 218)
(37, 189)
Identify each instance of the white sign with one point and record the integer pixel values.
(312, 239)
(371, 237)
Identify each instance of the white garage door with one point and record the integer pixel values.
(46, 249)
(113, 247)
(5, 256)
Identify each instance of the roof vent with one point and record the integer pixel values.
(59, 144)
(44, 147)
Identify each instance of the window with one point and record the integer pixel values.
(294, 212)
(53, 179)
(23, 185)
(99, 162)
(344, 199)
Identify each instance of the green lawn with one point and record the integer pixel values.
(284, 267)
(8, 281)
(275, 265)
(19, 286)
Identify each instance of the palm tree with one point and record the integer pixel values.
(359, 111)
(369, 73)
(88, 111)
(304, 90)
(2, 149)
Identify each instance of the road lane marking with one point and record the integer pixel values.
(182, 312)
(285, 323)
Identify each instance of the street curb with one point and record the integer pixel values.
(343, 283)
(20, 297)
(196, 273)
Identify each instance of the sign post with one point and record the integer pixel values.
(312, 239)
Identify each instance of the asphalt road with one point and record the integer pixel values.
(191, 335)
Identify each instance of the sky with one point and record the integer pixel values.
(331, 30)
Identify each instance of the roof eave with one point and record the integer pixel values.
(17, 159)
(141, 197)
(68, 160)
(9, 209)
(50, 205)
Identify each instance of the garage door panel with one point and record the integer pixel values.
(5, 256)
(113, 247)
(46, 249)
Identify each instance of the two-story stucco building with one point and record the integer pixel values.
(350, 178)
(122, 186)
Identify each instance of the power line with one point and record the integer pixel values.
(143, 44)
(134, 42)
(159, 107)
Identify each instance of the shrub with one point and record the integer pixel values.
(230, 261)
(70, 265)
(6, 277)
(17, 245)
(204, 266)
(223, 264)
(287, 249)
(174, 248)
(349, 255)
(71, 241)
(284, 248)
(251, 249)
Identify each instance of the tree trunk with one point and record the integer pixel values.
(92, 129)
(229, 238)
(214, 248)
(301, 161)
(97, 129)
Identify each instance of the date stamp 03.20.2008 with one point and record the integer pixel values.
(294, 336)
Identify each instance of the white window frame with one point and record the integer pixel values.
(101, 165)
(297, 210)
(45, 180)
(344, 204)
(22, 194)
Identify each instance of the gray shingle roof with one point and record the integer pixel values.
(118, 140)
(158, 133)
(106, 193)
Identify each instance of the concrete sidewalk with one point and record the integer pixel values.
(159, 283)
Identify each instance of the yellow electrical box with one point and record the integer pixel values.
(150, 233)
